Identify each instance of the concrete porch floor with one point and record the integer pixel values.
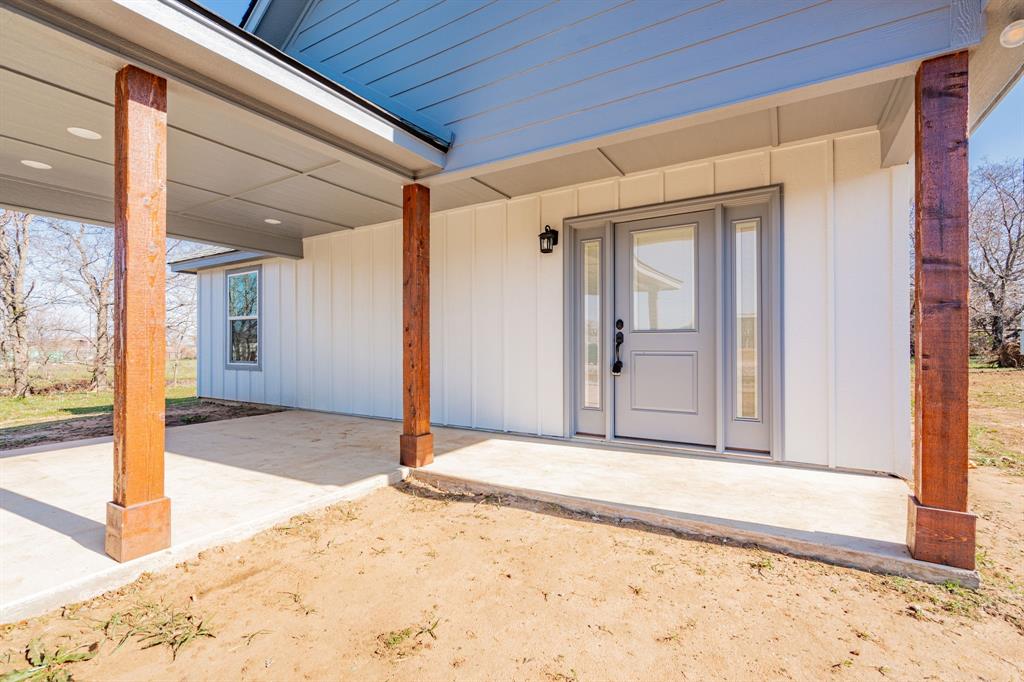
(227, 480)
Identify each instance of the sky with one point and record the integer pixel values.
(232, 10)
(1000, 136)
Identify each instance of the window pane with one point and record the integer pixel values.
(748, 328)
(664, 274)
(244, 341)
(592, 324)
(243, 295)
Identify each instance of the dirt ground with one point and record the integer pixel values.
(412, 584)
(189, 412)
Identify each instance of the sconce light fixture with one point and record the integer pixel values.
(548, 239)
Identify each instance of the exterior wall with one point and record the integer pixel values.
(332, 321)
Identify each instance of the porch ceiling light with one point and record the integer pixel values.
(85, 133)
(272, 221)
(1013, 34)
(548, 239)
(38, 165)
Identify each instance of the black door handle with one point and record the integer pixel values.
(619, 338)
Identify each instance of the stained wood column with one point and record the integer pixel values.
(417, 443)
(139, 517)
(940, 530)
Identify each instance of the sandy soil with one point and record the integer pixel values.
(410, 584)
(103, 425)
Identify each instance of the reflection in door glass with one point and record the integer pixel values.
(591, 305)
(664, 274)
(747, 324)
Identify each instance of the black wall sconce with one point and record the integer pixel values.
(548, 239)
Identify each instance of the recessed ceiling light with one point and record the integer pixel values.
(84, 133)
(38, 165)
(272, 221)
(1013, 34)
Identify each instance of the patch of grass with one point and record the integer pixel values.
(762, 564)
(152, 625)
(989, 448)
(49, 666)
(35, 409)
(405, 642)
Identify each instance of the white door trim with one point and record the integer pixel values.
(772, 195)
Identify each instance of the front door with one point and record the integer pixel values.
(664, 338)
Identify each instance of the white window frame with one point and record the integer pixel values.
(234, 364)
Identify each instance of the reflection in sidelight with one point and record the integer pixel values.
(664, 276)
(591, 306)
(748, 328)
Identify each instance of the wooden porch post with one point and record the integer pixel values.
(940, 530)
(139, 517)
(417, 443)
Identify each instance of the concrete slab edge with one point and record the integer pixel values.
(119, 575)
(862, 560)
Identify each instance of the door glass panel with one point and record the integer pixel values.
(748, 327)
(591, 306)
(664, 275)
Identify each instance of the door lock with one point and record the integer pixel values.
(619, 338)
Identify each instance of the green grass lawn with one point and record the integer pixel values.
(68, 405)
(43, 408)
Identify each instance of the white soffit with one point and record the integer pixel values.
(229, 169)
(883, 105)
(171, 38)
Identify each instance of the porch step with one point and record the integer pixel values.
(865, 555)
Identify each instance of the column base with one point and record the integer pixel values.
(138, 530)
(940, 536)
(417, 451)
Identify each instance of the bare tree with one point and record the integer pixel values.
(14, 298)
(997, 256)
(83, 260)
(181, 308)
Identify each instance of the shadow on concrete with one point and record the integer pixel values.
(86, 532)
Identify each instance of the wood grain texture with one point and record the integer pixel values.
(140, 207)
(941, 536)
(941, 311)
(416, 442)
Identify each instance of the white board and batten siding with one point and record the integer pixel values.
(331, 322)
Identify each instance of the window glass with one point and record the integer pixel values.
(244, 341)
(664, 276)
(243, 317)
(591, 305)
(243, 290)
(748, 327)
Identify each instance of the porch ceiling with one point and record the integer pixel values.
(228, 169)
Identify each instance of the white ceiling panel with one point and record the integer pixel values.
(182, 197)
(217, 120)
(56, 58)
(697, 142)
(37, 112)
(308, 196)
(461, 193)
(364, 180)
(846, 110)
(68, 171)
(195, 161)
(558, 172)
(251, 217)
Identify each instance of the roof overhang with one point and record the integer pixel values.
(192, 266)
(185, 43)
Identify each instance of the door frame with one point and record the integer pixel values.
(773, 309)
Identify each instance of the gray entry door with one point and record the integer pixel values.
(665, 305)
